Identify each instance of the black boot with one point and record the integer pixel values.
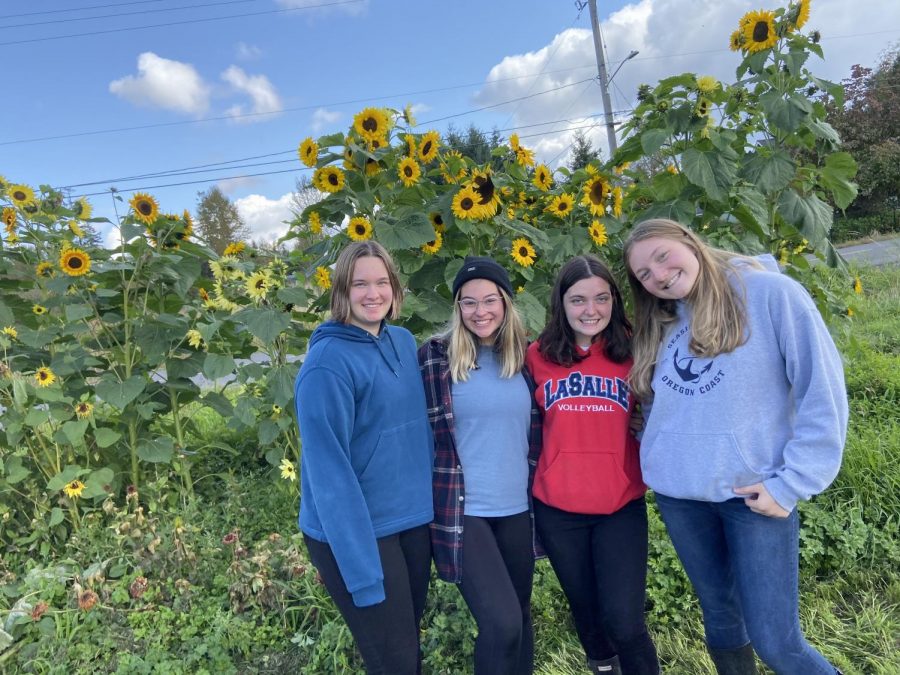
(740, 661)
(605, 667)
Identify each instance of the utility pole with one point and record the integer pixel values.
(604, 79)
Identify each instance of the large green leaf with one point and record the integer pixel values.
(120, 394)
(159, 450)
(15, 471)
(218, 365)
(97, 483)
(408, 232)
(106, 437)
(265, 324)
(76, 312)
(836, 175)
(752, 211)
(711, 170)
(65, 477)
(653, 139)
(785, 113)
(769, 171)
(807, 213)
(281, 384)
(74, 431)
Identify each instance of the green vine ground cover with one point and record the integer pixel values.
(151, 583)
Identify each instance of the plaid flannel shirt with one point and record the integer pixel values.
(449, 485)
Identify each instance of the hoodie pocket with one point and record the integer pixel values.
(705, 467)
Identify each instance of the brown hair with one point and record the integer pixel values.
(342, 278)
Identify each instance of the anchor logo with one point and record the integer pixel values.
(684, 366)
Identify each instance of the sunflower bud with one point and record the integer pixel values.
(644, 93)
(662, 106)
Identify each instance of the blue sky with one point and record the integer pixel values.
(197, 91)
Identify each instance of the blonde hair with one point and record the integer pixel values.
(718, 322)
(342, 278)
(462, 344)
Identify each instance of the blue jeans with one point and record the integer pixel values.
(743, 566)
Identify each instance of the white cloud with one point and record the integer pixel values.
(262, 93)
(231, 185)
(265, 216)
(324, 119)
(671, 39)
(245, 52)
(164, 83)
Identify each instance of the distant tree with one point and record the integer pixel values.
(583, 152)
(304, 195)
(218, 220)
(869, 126)
(475, 143)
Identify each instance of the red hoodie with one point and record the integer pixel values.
(589, 462)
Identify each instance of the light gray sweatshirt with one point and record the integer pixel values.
(774, 410)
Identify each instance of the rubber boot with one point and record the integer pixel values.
(606, 666)
(740, 661)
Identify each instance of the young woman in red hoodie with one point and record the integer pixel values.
(588, 493)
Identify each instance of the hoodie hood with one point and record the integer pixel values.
(383, 342)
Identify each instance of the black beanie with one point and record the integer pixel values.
(480, 267)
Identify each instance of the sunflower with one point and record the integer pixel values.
(409, 171)
(315, 222)
(488, 196)
(359, 228)
(453, 167)
(465, 203)
(437, 221)
(44, 376)
(373, 168)
(38, 310)
(194, 338)
(672, 169)
(328, 179)
(410, 145)
(187, 230)
(758, 28)
(45, 269)
(21, 195)
(428, 146)
(323, 278)
(234, 248)
(596, 191)
(9, 218)
(348, 158)
(523, 252)
(525, 157)
(74, 489)
(145, 208)
(707, 84)
(74, 262)
(83, 209)
(288, 470)
(225, 268)
(372, 124)
(434, 245)
(308, 152)
(857, 286)
(75, 228)
(802, 16)
(598, 233)
(619, 170)
(617, 201)
(562, 205)
(11, 332)
(257, 285)
(736, 41)
(514, 142)
(84, 409)
(543, 177)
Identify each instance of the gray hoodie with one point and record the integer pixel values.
(774, 410)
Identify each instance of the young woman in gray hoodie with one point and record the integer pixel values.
(747, 416)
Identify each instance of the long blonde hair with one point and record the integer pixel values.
(718, 322)
(462, 344)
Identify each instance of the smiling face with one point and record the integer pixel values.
(588, 305)
(485, 317)
(666, 268)
(370, 294)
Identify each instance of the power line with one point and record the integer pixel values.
(142, 11)
(181, 23)
(78, 9)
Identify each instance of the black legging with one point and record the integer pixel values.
(387, 634)
(601, 563)
(497, 569)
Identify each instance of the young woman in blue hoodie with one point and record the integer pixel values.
(747, 416)
(367, 453)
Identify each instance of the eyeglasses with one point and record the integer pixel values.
(470, 306)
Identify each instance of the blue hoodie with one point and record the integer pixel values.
(773, 411)
(367, 447)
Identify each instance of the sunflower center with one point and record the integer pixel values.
(19, 196)
(438, 219)
(42, 376)
(370, 124)
(407, 171)
(466, 203)
(761, 31)
(74, 263)
(333, 179)
(563, 206)
(145, 208)
(260, 285)
(597, 192)
(523, 251)
(426, 148)
(360, 229)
